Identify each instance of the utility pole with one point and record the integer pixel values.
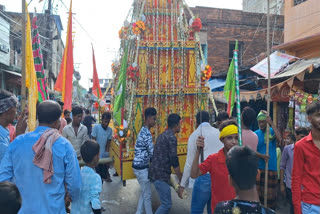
(268, 107)
(48, 34)
(23, 66)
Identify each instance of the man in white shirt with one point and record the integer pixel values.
(201, 194)
(75, 132)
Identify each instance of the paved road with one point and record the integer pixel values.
(117, 199)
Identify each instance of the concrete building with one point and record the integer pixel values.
(301, 28)
(222, 27)
(260, 6)
(50, 28)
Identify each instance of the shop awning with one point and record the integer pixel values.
(299, 68)
(12, 72)
(298, 43)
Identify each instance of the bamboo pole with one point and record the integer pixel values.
(235, 53)
(268, 107)
(23, 66)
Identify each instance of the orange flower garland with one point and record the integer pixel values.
(121, 134)
(206, 73)
(138, 27)
(123, 33)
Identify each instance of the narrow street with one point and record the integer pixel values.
(117, 199)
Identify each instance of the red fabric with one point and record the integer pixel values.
(305, 180)
(221, 190)
(96, 90)
(43, 153)
(65, 77)
(12, 132)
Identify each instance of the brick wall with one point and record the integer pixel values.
(224, 26)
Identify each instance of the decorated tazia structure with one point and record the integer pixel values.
(161, 66)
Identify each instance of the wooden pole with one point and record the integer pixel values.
(23, 66)
(268, 107)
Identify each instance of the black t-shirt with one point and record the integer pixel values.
(241, 207)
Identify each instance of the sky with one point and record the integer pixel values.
(100, 22)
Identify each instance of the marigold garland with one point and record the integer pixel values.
(121, 134)
(206, 73)
(123, 33)
(138, 27)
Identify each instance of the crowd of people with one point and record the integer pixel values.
(40, 172)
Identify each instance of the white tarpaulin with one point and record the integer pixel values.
(278, 61)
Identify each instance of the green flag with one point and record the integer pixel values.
(230, 86)
(121, 88)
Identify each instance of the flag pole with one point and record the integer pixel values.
(235, 53)
(268, 107)
(23, 67)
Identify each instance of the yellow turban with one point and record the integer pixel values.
(228, 130)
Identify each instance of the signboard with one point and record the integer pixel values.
(4, 42)
(278, 61)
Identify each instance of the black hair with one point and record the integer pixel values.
(226, 123)
(60, 103)
(66, 111)
(76, 110)
(87, 111)
(69, 120)
(10, 198)
(48, 112)
(242, 164)
(313, 108)
(292, 137)
(222, 115)
(149, 112)
(106, 115)
(202, 116)
(248, 116)
(302, 130)
(89, 150)
(173, 120)
(5, 94)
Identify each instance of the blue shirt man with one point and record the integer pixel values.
(102, 136)
(17, 166)
(8, 103)
(274, 136)
(4, 141)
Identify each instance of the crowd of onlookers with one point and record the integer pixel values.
(40, 173)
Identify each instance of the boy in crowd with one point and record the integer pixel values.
(242, 164)
(89, 201)
(215, 164)
(143, 152)
(201, 195)
(75, 132)
(10, 198)
(286, 169)
(164, 157)
(305, 182)
(102, 133)
(88, 121)
(66, 114)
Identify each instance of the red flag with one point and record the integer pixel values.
(65, 77)
(96, 90)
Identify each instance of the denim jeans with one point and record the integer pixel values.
(164, 192)
(309, 208)
(201, 194)
(145, 195)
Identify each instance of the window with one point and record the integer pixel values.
(296, 2)
(232, 46)
(204, 48)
